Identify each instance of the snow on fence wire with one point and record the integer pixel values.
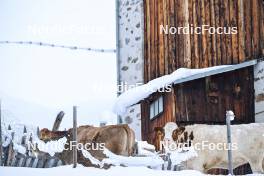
(17, 153)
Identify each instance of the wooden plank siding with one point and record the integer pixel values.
(164, 53)
(204, 100)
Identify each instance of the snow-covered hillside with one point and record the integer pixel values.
(15, 110)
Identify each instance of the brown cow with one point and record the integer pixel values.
(119, 139)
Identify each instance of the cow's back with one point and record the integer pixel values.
(247, 139)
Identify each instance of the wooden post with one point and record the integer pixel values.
(57, 122)
(229, 117)
(38, 132)
(11, 152)
(74, 131)
(169, 162)
(1, 147)
(24, 137)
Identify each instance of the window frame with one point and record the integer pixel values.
(152, 107)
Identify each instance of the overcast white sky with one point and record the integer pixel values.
(57, 78)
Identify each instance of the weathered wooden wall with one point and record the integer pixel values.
(206, 100)
(165, 53)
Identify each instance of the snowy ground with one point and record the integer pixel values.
(81, 171)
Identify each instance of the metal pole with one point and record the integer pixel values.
(229, 117)
(1, 147)
(117, 45)
(74, 135)
(118, 58)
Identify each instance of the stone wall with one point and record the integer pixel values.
(130, 60)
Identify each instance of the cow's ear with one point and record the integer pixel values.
(181, 129)
(174, 135)
(158, 129)
(185, 134)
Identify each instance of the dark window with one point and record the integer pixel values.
(156, 107)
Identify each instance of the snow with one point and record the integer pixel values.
(17, 129)
(182, 154)
(51, 147)
(153, 161)
(92, 159)
(81, 171)
(231, 115)
(168, 129)
(145, 149)
(134, 95)
(19, 148)
(147, 161)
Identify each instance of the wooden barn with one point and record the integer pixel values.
(206, 98)
(202, 98)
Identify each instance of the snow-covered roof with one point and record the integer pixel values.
(135, 95)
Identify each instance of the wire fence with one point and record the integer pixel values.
(72, 47)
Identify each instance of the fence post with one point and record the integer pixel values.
(229, 117)
(169, 162)
(74, 135)
(1, 147)
(38, 132)
(57, 121)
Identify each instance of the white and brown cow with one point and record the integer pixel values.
(247, 145)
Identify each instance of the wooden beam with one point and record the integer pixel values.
(241, 31)
(233, 20)
(196, 57)
(213, 23)
(255, 26)
(57, 121)
(187, 40)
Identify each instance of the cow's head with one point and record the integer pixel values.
(47, 135)
(183, 137)
(159, 132)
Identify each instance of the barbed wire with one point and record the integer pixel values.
(59, 46)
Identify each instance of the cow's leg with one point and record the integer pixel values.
(256, 166)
